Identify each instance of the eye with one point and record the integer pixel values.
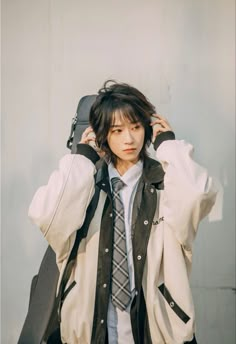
(116, 131)
(137, 126)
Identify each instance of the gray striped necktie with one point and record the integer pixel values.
(121, 294)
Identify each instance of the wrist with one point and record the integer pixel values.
(87, 151)
(164, 136)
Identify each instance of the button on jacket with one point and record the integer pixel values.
(171, 199)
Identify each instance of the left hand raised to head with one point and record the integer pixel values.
(159, 125)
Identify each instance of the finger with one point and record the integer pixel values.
(159, 129)
(157, 132)
(162, 123)
(88, 130)
(163, 120)
(91, 139)
(158, 116)
(158, 121)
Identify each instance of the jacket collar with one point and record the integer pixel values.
(152, 174)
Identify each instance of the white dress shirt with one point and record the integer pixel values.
(118, 322)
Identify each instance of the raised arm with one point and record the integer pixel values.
(189, 192)
(59, 207)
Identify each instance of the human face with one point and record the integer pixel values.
(125, 140)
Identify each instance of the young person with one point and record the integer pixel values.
(132, 269)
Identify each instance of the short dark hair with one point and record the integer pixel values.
(116, 97)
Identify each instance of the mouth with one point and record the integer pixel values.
(129, 150)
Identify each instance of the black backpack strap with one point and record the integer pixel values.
(80, 234)
(72, 130)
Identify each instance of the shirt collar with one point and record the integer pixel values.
(130, 177)
(152, 173)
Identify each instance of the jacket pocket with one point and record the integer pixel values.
(175, 307)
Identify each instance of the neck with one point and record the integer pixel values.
(123, 166)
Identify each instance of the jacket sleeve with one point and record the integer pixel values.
(189, 193)
(59, 207)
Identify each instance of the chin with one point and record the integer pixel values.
(130, 159)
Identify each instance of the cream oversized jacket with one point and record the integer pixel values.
(59, 208)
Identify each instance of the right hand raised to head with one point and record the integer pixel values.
(89, 137)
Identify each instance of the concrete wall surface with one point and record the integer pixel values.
(181, 54)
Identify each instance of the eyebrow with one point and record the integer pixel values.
(116, 125)
(121, 125)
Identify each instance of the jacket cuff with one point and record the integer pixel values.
(88, 152)
(166, 135)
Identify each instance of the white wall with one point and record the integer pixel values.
(180, 53)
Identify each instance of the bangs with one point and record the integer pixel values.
(125, 112)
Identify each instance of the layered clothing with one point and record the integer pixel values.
(173, 194)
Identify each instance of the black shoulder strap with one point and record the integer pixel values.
(53, 324)
(81, 233)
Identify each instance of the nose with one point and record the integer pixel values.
(128, 137)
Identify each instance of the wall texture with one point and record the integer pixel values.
(180, 53)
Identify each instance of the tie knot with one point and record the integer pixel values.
(117, 184)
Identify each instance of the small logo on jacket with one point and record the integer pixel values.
(158, 221)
